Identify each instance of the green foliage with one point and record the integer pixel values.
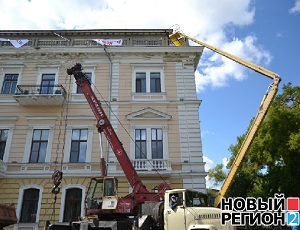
(272, 164)
(217, 174)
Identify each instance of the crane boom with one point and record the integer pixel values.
(178, 38)
(104, 125)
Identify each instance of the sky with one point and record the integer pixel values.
(265, 32)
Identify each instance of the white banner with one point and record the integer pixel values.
(15, 43)
(110, 42)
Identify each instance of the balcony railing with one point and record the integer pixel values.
(151, 165)
(30, 95)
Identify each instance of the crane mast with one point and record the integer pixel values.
(179, 38)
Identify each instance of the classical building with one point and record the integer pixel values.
(146, 86)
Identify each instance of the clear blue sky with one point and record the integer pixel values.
(266, 32)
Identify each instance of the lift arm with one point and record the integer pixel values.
(178, 38)
(104, 125)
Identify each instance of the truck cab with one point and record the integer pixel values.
(191, 212)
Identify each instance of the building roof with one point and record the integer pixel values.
(98, 32)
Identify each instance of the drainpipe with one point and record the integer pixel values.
(108, 101)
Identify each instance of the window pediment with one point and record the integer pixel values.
(149, 114)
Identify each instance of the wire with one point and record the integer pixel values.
(66, 118)
(109, 107)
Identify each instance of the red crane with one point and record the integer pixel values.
(128, 205)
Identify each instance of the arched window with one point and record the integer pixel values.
(72, 209)
(29, 205)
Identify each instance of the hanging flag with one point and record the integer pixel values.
(15, 43)
(110, 42)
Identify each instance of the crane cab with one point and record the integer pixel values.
(102, 194)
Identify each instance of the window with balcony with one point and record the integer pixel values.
(140, 144)
(78, 145)
(3, 140)
(39, 145)
(9, 83)
(72, 206)
(157, 143)
(153, 142)
(47, 83)
(29, 206)
(150, 148)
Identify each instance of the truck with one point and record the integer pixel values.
(143, 209)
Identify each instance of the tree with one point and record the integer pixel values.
(217, 174)
(272, 164)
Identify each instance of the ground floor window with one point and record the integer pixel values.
(29, 205)
(72, 210)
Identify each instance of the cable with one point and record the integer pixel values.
(109, 107)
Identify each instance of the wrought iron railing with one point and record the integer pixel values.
(40, 90)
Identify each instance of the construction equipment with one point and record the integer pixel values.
(179, 38)
(7, 215)
(106, 210)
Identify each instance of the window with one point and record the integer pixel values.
(72, 209)
(39, 140)
(10, 83)
(140, 82)
(140, 144)
(79, 142)
(77, 94)
(47, 83)
(196, 199)
(149, 143)
(147, 82)
(29, 205)
(157, 143)
(78, 145)
(72, 205)
(39, 145)
(89, 76)
(3, 140)
(155, 85)
(109, 187)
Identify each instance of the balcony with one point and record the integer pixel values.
(37, 95)
(151, 165)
